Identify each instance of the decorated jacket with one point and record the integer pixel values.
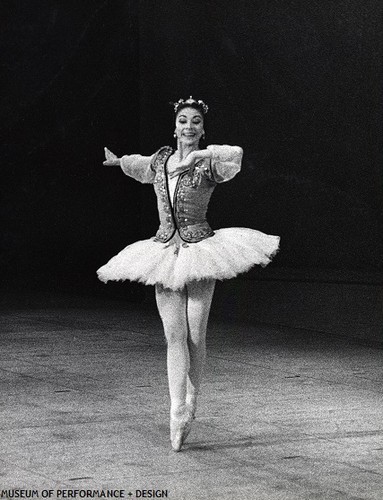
(185, 211)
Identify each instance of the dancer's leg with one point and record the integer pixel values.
(172, 308)
(199, 297)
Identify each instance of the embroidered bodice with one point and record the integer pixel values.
(182, 207)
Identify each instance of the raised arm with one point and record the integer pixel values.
(225, 161)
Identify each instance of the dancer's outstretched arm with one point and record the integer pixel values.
(136, 166)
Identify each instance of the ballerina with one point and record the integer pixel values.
(186, 257)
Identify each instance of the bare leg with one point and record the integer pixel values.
(172, 308)
(199, 297)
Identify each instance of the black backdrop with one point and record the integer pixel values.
(296, 84)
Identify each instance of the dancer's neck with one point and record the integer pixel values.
(184, 150)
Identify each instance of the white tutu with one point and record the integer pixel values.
(229, 252)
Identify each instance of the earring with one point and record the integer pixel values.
(174, 135)
(203, 136)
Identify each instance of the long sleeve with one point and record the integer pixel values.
(225, 161)
(139, 167)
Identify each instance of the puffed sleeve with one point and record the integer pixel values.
(225, 161)
(139, 167)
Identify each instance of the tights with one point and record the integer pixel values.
(184, 314)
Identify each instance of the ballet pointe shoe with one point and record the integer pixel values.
(190, 416)
(181, 424)
(178, 428)
(191, 408)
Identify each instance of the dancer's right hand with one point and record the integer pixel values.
(111, 159)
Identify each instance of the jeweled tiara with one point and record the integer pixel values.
(182, 102)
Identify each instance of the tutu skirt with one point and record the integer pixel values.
(229, 252)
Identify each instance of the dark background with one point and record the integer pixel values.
(297, 84)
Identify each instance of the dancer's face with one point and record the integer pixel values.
(189, 126)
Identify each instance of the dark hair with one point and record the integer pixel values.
(193, 105)
(190, 103)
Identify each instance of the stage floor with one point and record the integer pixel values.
(284, 413)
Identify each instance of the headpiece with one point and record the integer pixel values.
(181, 103)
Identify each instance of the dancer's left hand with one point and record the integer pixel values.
(186, 164)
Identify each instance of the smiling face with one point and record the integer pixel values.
(189, 126)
